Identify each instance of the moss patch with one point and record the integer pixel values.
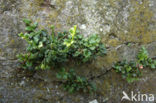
(138, 23)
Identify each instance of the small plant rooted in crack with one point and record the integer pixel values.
(73, 82)
(144, 59)
(129, 70)
(45, 51)
(132, 70)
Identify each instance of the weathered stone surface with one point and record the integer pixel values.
(124, 26)
(118, 22)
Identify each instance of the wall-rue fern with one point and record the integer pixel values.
(45, 51)
(144, 59)
(132, 70)
(73, 82)
(128, 70)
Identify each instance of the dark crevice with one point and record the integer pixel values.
(100, 75)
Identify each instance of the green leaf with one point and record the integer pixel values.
(43, 66)
(58, 76)
(21, 34)
(128, 69)
(154, 62)
(73, 31)
(79, 79)
(71, 89)
(92, 48)
(26, 21)
(65, 76)
(29, 28)
(40, 45)
(36, 39)
(86, 53)
(34, 26)
(153, 66)
(77, 53)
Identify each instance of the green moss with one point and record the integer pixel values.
(111, 57)
(107, 60)
(39, 2)
(137, 27)
(113, 42)
(138, 23)
(106, 86)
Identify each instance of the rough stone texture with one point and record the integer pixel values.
(124, 26)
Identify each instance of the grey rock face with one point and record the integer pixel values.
(118, 22)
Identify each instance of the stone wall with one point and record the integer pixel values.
(119, 22)
(124, 25)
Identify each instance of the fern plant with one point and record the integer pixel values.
(129, 70)
(45, 51)
(132, 70)
(73, 82)
(144, 59)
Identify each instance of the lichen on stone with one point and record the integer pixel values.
(140, 17)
